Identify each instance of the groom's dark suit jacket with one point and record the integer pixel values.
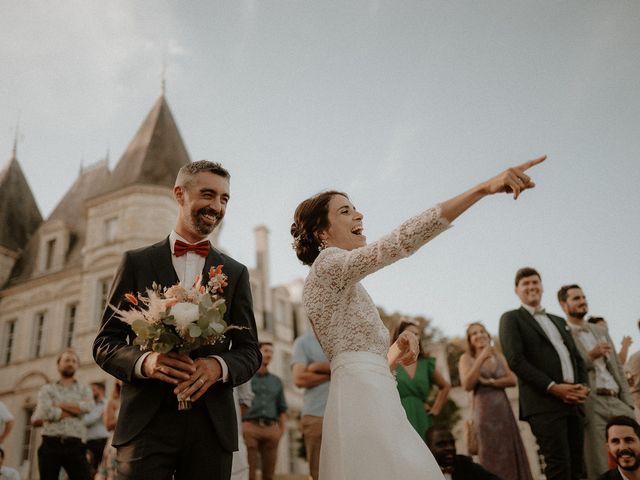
(613, 474)
(534, 360)
(114, 352)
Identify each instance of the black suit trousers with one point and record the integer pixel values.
(176, 444)
(560, 436)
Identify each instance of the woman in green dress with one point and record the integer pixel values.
(415, 382)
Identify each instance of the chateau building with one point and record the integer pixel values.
(55, 275)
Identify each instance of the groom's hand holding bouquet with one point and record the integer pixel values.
(171, 322)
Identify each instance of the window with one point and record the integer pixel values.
(110, 229)
(38, 334)
(27, 435)
(8, 339)
(50, 252)
(69, 325)
(104, 285)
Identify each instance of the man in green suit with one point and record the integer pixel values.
(551, 378)
(609, 396)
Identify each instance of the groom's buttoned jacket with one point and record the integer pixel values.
(114, 351)
(535, 361)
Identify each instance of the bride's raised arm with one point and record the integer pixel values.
(350, 266)
(330, 220)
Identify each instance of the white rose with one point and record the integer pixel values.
(185, 314)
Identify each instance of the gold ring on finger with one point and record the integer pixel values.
(201, 381)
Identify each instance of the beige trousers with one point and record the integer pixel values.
(262, 440)
(312, 433)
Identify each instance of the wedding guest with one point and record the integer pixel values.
(633, 372)
(485, 372)
(107, 470)
(551, 377)
(623, 442)
(311, 371)
(625, 343)
(264, 423)
(97, 434)
(609, 396)
(454, 467)
(243, 397)
(60, 408)
(201, 440)
(6, 422)
(415, 382)
(7, 473)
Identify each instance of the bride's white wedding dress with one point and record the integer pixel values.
(366, 434)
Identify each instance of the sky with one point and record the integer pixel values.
(399, 104)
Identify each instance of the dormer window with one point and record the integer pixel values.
(54, 243)
(49, 254)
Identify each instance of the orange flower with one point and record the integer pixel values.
(131, 298)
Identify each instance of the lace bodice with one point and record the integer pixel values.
(341, 311)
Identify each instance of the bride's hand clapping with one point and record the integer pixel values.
(513, 180)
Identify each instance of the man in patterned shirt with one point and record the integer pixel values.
(61, 406)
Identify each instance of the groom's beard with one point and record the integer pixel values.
(629, 468)
(202, 227)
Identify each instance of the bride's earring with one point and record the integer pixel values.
(322, 246)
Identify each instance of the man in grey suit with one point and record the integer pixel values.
(609, 396)
(551, 378)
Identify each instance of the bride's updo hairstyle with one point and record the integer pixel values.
(310, 218)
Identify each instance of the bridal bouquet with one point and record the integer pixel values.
(177, 319)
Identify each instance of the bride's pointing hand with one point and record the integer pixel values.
(513, 179)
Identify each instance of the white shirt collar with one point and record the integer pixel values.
(622, 474)
(532, 310)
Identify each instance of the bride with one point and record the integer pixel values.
(366, 433)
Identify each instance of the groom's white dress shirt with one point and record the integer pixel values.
(187, 267)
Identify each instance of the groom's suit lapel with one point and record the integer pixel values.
(161, 264)
(533, 323)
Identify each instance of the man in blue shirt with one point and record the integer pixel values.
(264, 422)
(311, 371)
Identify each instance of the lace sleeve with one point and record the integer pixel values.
(346, 267)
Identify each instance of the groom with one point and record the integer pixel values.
(154, 439)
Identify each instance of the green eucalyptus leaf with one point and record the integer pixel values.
(213, 316)
(139, 325)
(169, 320)
(194, 330)
(206, 302)
(203, 322)
(218, 327)
(162, 347)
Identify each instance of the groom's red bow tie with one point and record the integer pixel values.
(180, 248)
